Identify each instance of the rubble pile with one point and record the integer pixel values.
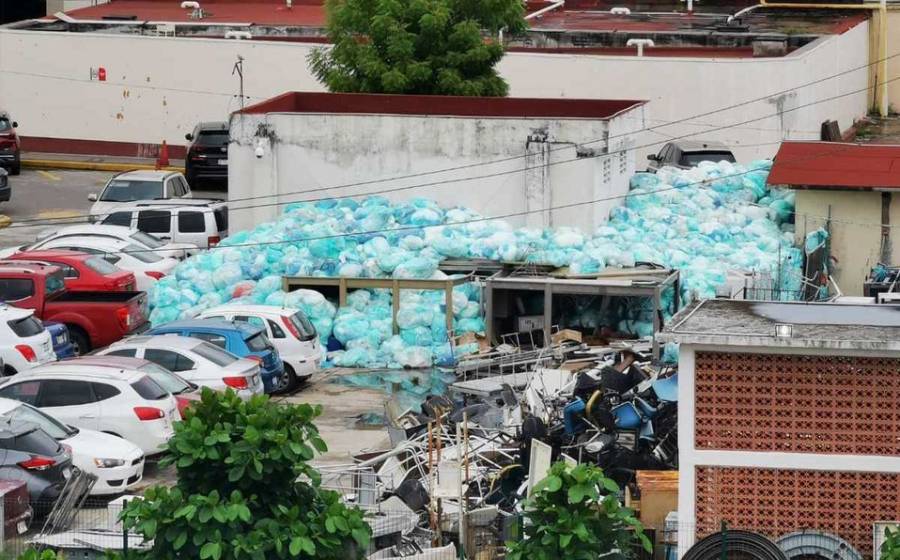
(703, 221)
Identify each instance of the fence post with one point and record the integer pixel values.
(124, 530)
(3, 524)
(723, 555)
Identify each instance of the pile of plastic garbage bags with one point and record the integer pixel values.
(704, 221)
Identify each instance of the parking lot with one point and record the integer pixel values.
(41, 199)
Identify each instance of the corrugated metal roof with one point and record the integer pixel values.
(836, 165)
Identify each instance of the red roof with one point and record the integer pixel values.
(304, 13)
(836, 165)
(383, 104)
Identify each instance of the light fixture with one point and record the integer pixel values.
(784, 331)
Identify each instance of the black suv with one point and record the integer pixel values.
(685, 154)
(207, 153)
(27, 453)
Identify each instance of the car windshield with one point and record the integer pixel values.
(692, 159)
(101, 266)
(166, 379)
(214, 354)
(26, 326)
(56, 429)
(125, 190)
(141, 254)
(213, 138)
(5, 125)
(258, 343)
(146, 239)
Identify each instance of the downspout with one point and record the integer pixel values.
(543, 11)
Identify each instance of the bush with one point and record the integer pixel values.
(245, 489)
(890, 548)
(575, 513)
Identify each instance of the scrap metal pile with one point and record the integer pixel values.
(458, 472)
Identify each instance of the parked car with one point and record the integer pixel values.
(125, 403)
(147, 266)
(34, 457)
(138, 185)
(82, 272)
(59, 336)
(129, 234)
(17, 510)
(94, 319)
(5, 188)
(10, 145)
(241, 339)
(685, 154)
(24, 342)
(118, 464)
(288, 329)
(195, 360)
(207, 152)
(200, 222)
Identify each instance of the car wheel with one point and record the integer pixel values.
(287, 382)
(79, 340)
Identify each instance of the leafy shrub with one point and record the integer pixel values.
(890, 548)
(245, 489)
(575, 513)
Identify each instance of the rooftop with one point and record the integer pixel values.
(437, 105)
(836, 165)
(742, 323)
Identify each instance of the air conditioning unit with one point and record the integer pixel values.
(878, 535)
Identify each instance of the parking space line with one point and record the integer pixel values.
(48, 175)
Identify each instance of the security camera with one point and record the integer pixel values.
(259, 152)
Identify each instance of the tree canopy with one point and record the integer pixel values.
(429, 47)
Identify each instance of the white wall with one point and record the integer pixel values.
(159, 87)
(314, 153)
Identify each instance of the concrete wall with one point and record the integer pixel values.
(315, 154)
(893, 56)
(855, 230)
(158, 88)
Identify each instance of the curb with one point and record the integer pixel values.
(5, 221)
(91, 165)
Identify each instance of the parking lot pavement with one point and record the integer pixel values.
(39, 197)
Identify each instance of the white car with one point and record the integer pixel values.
(195, 360)
(125, 403)
(147, 266)
(24, 342)
(288, 329)
(159, 246)
(138, 185)
(117, 464)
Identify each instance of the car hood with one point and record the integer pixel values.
(90, 444)
(99, 209)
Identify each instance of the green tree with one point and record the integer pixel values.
(890, 548)
(245, 489)
(575, 514)
(430, 47)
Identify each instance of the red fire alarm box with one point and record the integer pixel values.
(101, 74)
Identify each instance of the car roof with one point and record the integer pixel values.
(93, 241)
(170, 203)
(37, 255)
(73, 366)
(145, 175)
(212, 125)
(253, 308)
(700, 145)
(95, 229)
(166, 340)
(27, 267)
(210, 325)
(8, 404)
(115, 362)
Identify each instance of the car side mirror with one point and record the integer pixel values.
(188, 136)
(653, 157)
(92, 197)
(15, 124)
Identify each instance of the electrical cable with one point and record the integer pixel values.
(734, 545)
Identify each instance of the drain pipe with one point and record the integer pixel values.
(640, 44)
(543, 11)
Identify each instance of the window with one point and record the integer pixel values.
(191, 222)
(118, 219)
(5, 125)
(172, 361)
(26, 326)
(212, 138)
(124, 352)
(149, 389)
(25, 392)
(185, 188)
(692, 159)
(63, 392)
(36, 442)
(166, 379)
(276, 330)
(53, 427)
(101, 266)
(304, 327)
(154, 221)
(255, 321)
(221, 218)
(67, 271)
(146, 240)
(216, 339)
(124, 190)
(258, 343)
(104, 391)
(214, 354)
(54, 283)
(175, 188)
(141, 254)
(13, 289)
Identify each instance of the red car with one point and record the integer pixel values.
(82, 272)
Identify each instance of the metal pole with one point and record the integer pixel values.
(124, 530)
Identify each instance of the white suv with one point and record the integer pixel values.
(124, 403)
(288, 329)
(24, 342)
(138, 185)
(200, 222)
